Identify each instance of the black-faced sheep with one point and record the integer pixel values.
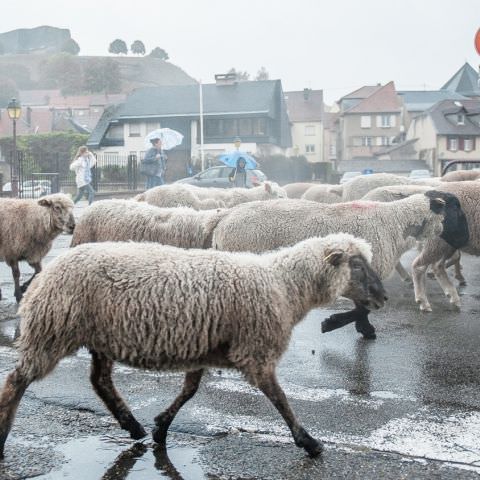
(122, 220)
(184, 195)
(387, 226)
(164, 308)
(28, 228)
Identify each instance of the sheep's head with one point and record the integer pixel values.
(274, 190)
(61, 211)
(365, 287)
(455, 226)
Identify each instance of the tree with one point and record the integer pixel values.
(118, 46)
(62, 71)
(8, 90)
(262, 74)
(137, 47)
(102, 75)
(244, 76)
(70, 46)
(160, 53)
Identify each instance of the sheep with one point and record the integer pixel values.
(164, 308)
(461, 176)
(395, 192)
(296, 190)
(387, 226)
(323, 194)
(28, 228)
(122, 220)
(179, 194)
(436, 251)
(359, 186)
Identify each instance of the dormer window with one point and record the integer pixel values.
(460, 119)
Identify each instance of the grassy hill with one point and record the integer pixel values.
(27, 70)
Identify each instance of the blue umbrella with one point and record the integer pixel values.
(230, 159)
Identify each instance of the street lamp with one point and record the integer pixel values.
(237, 142)
(14, 111)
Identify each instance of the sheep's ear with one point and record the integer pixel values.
(437, 204)
(399, 195)
(268, 187)
(45, 202)
(335, 257)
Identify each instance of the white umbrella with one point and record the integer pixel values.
(170, 138)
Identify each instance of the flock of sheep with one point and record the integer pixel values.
(186, 278)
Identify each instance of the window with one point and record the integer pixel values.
(260, 126)
(367, 141)
(365, 121)
(115, 132)
(452, 144)
(460, 119)
(230, 127)
(151, 126)
(468, 144)
(309, 148)
(245, 127)
(309, 130)
(386, 123)
(133, 129)
(213, 128)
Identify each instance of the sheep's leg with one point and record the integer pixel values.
(447, 286)
(265, 379)
(101, 378)
(455, 261)
(16, 279)
(163, 421)
(38, 268)
(363, 325)
(404, 275)
(13, 390)
(419, 271)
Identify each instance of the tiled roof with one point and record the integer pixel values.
(384, 99)
(362, 92)
(421, 100)
(329, 119)
(41, 122)
(465, 81)
(305, 105)
(444, 117)
(37, 97)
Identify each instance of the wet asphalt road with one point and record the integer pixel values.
(406, 405)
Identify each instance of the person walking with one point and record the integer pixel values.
(82, 166)
(154, 164)
(239, 174)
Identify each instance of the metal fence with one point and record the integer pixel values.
(35, 175)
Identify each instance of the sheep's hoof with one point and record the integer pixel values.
(425, 307)
(312, 447)
(159, 434)
(367, 330)
(137, 431)
(462, 283)
(18, 296)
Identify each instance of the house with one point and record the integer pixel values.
(253, 111)
(466, 82)
(370, 119)
(449, 130)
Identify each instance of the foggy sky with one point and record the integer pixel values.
(336, 46)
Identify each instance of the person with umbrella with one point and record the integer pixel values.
(238, 176)
(154, 164)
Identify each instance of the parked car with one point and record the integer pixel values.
(419, 174)
(218, 177)
(35, 188)
(348, 176)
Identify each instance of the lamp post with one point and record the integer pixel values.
(237, 142)
(14, 111)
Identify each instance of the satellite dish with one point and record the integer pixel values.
(458, 104)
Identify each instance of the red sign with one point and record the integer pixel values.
(477, 41)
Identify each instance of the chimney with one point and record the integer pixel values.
(225, 78)
(306, 93)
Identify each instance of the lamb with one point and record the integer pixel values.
(436, 251)
(323, 194)
(394, 192)
(166, 308)
(183, 195)
(461, 176)
(122, 220)
(387, 226)
(28, 229)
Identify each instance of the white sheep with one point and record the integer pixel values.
(323, 193)
(297, 189)
(387, 226)
(164, 308)
(28, 228)
(184, 195)
(122, 220)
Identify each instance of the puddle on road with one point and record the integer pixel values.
(105, 459)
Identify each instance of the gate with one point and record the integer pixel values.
(454, 163)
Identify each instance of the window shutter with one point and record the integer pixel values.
(379, 120)
(379, 141)
(461, 144)
(393, 120)
(473, 143)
